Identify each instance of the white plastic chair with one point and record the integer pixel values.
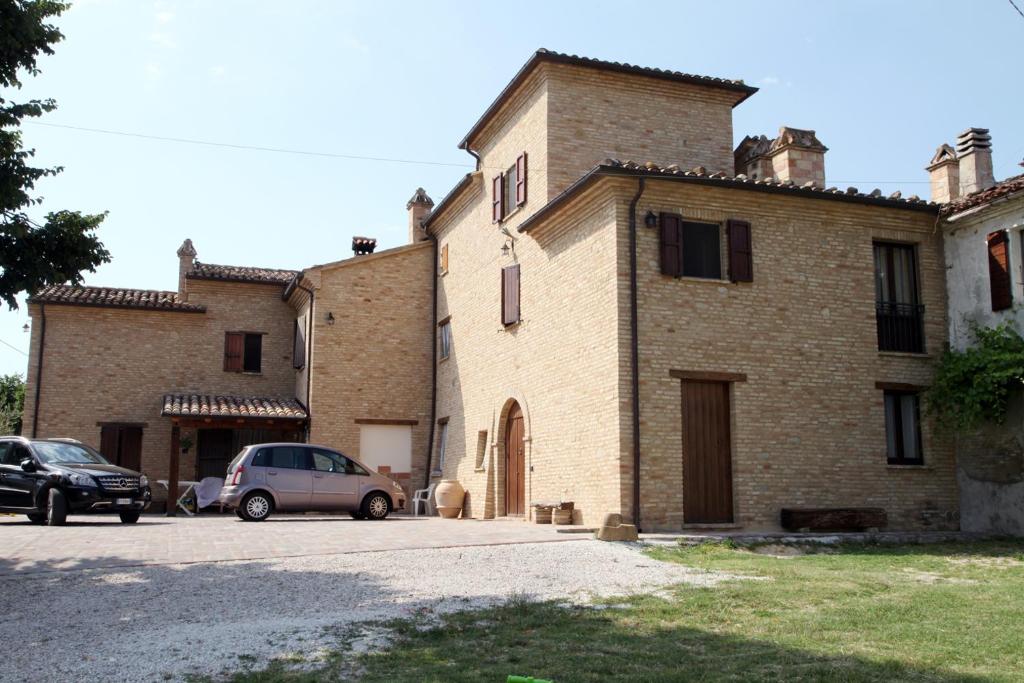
(424, 497)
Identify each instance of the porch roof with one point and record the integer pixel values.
(238, 407)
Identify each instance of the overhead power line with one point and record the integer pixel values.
(1014, 5)
(13, 347)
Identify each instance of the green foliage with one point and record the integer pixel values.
(34, 255)
(973, 386)
(12, 401)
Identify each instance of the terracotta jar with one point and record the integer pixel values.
(448, 497)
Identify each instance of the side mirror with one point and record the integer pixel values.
(28, 466)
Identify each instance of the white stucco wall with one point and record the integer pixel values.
(967, 279)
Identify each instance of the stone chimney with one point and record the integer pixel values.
(974, 149)
(944, 173)
(361, 246)
(419, 208)
(795, 155)
(186, 258)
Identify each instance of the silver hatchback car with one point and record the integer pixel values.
(296, 477)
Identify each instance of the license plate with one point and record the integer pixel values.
(123, 501)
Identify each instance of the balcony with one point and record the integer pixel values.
(900, 327)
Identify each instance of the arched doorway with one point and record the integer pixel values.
(515, 462)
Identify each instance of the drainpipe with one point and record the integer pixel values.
(433, 359)
(634, 341)
(476, 156)
(309, 359)
(39, 369)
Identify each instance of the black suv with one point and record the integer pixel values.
(49, 478)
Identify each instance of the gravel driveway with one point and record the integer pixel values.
(165, 621)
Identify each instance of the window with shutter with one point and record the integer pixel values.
(444, 259)
(999, 271)
(510, 181)
(521, 179)
(671, 246)
(702, 250)
(741, 255)
(510, 295)
(252, 360)
(299, 346)
(497, 199)
(233, 346)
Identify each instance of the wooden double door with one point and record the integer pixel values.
(515, 463)
(707, 453)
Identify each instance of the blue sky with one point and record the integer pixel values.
(883, 83)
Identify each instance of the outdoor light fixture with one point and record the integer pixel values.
(25, 328)
(330, 318)
(650, 220)
(504, 249)
(510, 242)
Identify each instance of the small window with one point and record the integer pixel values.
(299, 345)
(508, 190)
(702, 251)
(510, 313)
(444, 259)
(445, 341)
(903, 428)
(509, 186)
(243, 352)
(442, 445)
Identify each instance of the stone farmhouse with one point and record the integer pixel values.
(616, 308)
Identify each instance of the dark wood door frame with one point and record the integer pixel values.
(515, 462)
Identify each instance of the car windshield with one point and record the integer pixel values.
(54, 452)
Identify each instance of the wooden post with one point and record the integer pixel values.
(172, 483)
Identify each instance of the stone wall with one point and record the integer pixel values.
(990, 470)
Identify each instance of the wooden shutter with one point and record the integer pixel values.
(999, 271)
(130, 451)
(444, 259)
(741, 255)
(109, 439)
(233, 344)
(510, 295)
(521, 179)
(497, 199)
(671, 244)
(299, 346)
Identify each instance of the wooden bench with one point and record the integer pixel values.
(833, 519)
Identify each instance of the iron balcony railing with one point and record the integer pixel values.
(900, 327)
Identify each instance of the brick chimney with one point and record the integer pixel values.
(361, 246)
(795, 155)
(974, 149)
(186, 257)
(944, 174)
(419, 208)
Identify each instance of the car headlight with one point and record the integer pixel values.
(77, 479)
(143, 481)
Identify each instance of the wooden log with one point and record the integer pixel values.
(833, 519)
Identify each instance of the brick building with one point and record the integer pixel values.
(703, 336)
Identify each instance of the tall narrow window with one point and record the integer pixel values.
(445, 338)
(898, 314)
(299, 345)
(702, 251)
(903, 428)
(442, 444)
(510, 295)
(253, 359)
(510, 184)
(999, 282)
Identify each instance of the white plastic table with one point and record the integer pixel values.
(190, 488)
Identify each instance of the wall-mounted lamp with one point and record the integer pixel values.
(330, 318)
(650, 220)
(25, 328)
(505, 248)
(510, 242)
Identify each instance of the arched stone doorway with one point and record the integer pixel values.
(514, 462)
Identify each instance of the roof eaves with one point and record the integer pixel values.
(543, 55)
(449, 198)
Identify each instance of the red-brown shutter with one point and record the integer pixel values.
(233, 345)
(521, 179)
(510, 295)
(497, 198)
(130, 452)
(741, 254)
(671, 244)
(999, 271)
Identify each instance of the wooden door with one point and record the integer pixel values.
(515, 463)
(214, 453)
(707, 454)
(130, 449)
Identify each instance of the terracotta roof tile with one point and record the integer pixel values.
(207, 405)
(1000, 189)
(114, 297)
(212, 271)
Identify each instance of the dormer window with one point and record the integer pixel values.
(508, 190)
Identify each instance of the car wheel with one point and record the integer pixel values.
(256, 507)
(376, 506)
(129, 517)
(357, 515)
(56, 508)
(238, 513)
(36, 517)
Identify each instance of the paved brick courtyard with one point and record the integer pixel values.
(93, 542)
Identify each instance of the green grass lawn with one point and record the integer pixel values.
(861, 613)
